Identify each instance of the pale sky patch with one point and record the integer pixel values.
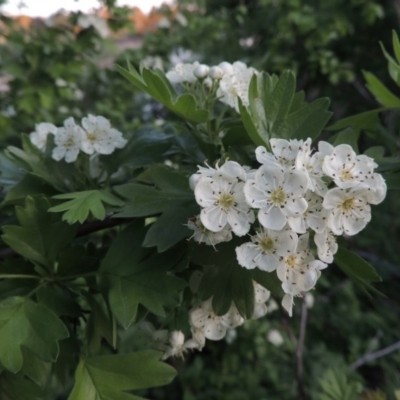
(44, 8)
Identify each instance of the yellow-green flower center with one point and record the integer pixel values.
(92, 137)
(278, 197)
(291, 261)
(346, 175)
(348, 204)
(226, 201)
(267, 244)
(70, 142)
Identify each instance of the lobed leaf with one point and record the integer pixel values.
(28, 324)
(109, 377)
(81, 204)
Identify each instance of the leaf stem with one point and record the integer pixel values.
(22, 276)
(301, 395)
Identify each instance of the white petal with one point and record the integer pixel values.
(246, 255)
(214, 330)
(272, 218)
(296, 206)
(213, 218)
(287, 303)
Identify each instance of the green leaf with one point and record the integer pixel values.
(99, 324)
(18, 386)
(82, 203)
(224, 278)
(59, 300)
(109, 377)
(157, 86)
(348, 136)
(358, 270)
(335, 385)
(393, 66)
(25, 323)
(170, 228)
(36, 369)
(276, 111)
(41, 235)
(278, 105)
(382, 94)
(396, 45)
(269, 280)
(307, 121)
(131, 279)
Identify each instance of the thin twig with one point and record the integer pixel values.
(301, 395)
(373, 356)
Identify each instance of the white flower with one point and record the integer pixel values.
(67, 141)
(231, 169)
(198, 336)
(266, 249)
(99, 136)
(378, 188)
(346, 168)
(214, 326)
(314, 217)
(203, 235)
(349, 209)
(326, 245)
(311, 165)
(178, 346)
(275, 337)
(277, 194)
(223, 202)
(299, 271)
(39, 137)
(235, 83)
(283, 154)
(261, 296)
(182, 73)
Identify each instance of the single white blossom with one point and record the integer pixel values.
(326, 245)
(235, 83)
(67, 141)
(277, 194)
(42, 131)
(178, 346)
(349, 209)
(203, 235)
(99, 136)
(214, 327)
(346, 168)
(183, 73)
(261, 296)
(311, 165)
(223, 202)
(284, 153)
(299, 271)
(314, 217)
(266, 249)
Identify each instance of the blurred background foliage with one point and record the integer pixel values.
(56, 68)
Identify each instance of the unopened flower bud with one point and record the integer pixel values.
(226, 68)
(201, 71)
(216, 73)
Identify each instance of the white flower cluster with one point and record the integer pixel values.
(96, 136)
(232, 80)
(206, 324)
(296, 191)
